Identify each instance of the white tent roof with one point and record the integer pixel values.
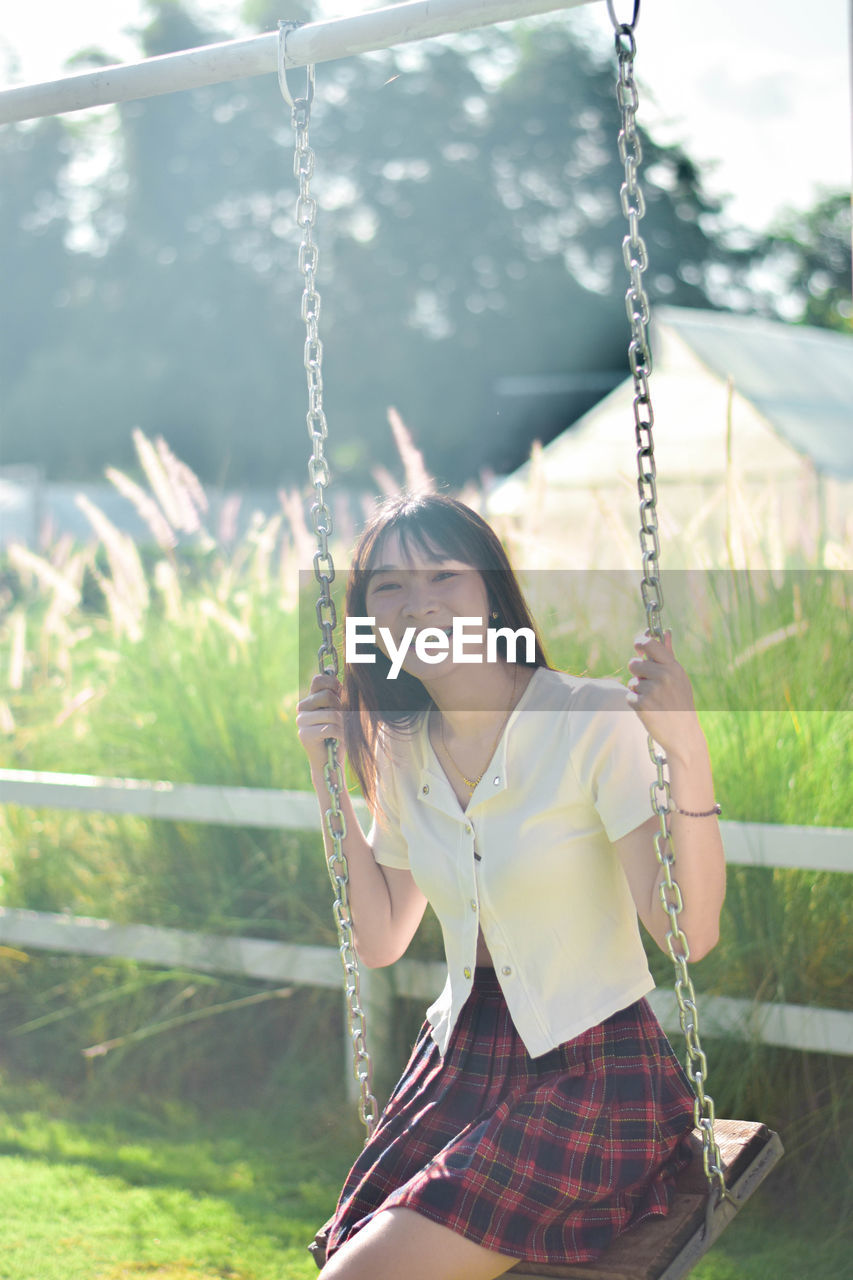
(791, 401)
(799, 378)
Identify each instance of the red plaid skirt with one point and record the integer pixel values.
(543, 1159)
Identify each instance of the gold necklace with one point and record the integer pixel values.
(473, 783)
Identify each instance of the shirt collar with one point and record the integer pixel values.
(434, 788)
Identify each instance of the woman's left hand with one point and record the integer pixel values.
(661, 694)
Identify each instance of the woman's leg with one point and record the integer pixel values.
(400, 1244)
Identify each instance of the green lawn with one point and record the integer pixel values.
(106, 1192)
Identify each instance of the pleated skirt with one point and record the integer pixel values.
(544, 1159)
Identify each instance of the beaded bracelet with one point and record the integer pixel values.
(707, 813)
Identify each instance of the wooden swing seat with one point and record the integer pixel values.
(667, 1248)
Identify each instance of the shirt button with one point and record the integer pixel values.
(425, 789)
(467, 972)
(506, 970)
(468, 828)
(473, 904)
(496, 781)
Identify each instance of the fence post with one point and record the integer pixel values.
(377, 1001)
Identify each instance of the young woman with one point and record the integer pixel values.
(542, 1110)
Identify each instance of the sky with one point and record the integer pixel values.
(758, 91)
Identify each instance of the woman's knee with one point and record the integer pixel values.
(400, 1243)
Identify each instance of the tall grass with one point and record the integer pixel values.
(182, 660)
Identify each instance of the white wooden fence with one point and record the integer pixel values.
(747, 844)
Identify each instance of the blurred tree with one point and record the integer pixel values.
(161, 329)
(470, 229)
(34, 221)
(808, 256)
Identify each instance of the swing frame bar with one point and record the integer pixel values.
(258, 55)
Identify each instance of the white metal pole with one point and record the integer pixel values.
(315, 42)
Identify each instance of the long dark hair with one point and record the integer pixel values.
(449, 529)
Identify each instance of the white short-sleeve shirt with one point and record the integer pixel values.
(531, 860)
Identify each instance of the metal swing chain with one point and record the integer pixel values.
(324, 570)
(639, 357)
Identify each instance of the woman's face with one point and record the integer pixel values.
(416, 590)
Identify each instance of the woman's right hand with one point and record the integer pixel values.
(320, 716)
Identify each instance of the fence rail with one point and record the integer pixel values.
(748, 844)
(757, 844)
(785, 1025)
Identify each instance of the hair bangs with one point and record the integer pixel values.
(432, 532)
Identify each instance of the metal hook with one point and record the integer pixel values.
(711, 1208)
(621, 27)
(284, 29)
